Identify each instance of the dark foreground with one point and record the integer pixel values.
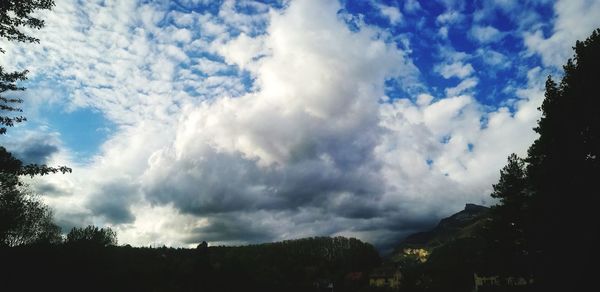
(301, 265)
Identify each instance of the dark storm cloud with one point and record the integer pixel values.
(229, 183)
(49, 189)
(112, 202)
(35, 149)
(232, 228)
(235, 195)
(69, 220)
(37, 153)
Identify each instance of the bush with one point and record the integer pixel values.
(92, 236)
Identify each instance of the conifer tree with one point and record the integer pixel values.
(564, 170)
(548, 201)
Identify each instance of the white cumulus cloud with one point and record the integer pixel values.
(575, 20)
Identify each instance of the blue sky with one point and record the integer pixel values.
(250, 121)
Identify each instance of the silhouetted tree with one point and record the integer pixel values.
(24, 219)
(564, 169)
(14, 16)
(513, 181)
(509, 216)
(549, 200)
(92, 236)
(507, 249)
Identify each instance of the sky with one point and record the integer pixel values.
(237, 122)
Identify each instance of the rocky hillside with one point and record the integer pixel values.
(459, 225)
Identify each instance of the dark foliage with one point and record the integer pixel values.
(9, 165)
(91, 236)
(294, 265)
(564, 170)
(544, 224)
(16, 14)
(24, 220)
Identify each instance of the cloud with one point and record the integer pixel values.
(444, 145)
(237, 127)
(412, 6)
(112, 201)
(453, 4)
(506, 5)
(304, 138)
(463, 86)
(312, 144)
(393, 14)
(575, 20)
(458, 69)
(450, 17)
(128, 64)
(485, 34)
(489, 10)
(241, 51)
(230, 228)
(493, 58)
(33, 148)
(443, 32)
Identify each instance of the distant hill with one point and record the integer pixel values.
(291, 265)
(459, 225)
(446, 257)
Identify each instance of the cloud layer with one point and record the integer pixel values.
(239, 122)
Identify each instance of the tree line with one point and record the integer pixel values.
(295, 265)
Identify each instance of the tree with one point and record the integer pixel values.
(564, 169)
(24, 219)
(13, 167)
(92, 236)
(507, 247)
(512, 184)
(14, 16)
(513, 193)
(552, 195)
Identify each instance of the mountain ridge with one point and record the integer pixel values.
(458, 225)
